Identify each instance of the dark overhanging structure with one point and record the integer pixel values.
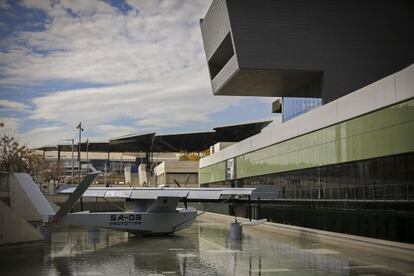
(322, 49)
(151, 142)
(186, 142)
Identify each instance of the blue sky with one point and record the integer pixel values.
(120, 67)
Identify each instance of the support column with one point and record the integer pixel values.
(59, 148)
(250, 209)
(43, 168)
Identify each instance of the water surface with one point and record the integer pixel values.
(203, 249)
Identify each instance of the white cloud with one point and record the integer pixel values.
(48, 135)
(104, 132)
(104, 46)
(13, 105)
(152, 105)
(149, 63)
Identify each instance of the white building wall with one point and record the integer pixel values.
(385, 92)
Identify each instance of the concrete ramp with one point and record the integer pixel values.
(36, 197)
(14, 229)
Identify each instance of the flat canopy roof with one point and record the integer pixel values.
(48, 148)
(182, 142)
(189, 142)
(92, 147)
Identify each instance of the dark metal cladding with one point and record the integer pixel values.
(181, 142)
(303, 48)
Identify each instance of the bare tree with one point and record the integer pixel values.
(15, 157)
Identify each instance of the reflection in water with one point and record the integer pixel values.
(109, 252)
(262, 253)
(203, 249)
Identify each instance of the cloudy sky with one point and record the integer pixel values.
(120, 67)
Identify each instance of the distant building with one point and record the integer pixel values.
(177, 173)
(141, 159)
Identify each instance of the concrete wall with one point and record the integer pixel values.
(14, 229)
(21, 204)
(167, 171)
(175, 166)
(16, 214)
(220, 146)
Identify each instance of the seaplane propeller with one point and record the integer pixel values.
(178, 183)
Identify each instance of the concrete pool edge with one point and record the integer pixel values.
(380, 248)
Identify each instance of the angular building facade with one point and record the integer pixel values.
(347, 165)
(323, 49)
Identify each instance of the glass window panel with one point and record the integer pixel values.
(293, 106)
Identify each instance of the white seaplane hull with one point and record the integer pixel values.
(135, 222)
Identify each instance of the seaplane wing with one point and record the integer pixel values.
(154, 193)
(155, 211)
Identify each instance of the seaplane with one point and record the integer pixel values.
(155, 210)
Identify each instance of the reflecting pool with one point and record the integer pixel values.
(203, 249)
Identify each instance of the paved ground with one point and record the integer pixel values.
(203, 249)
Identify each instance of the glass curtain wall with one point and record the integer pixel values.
(293, 107)
(386, 178)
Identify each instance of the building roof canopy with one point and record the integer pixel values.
(183, 142)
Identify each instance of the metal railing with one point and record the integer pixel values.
(377, 192)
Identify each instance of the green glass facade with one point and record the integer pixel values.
(213, 173)
(389, 131)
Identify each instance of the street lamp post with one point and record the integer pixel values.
(87, 151)
(73, 161)
(79, 158)
(79, 151)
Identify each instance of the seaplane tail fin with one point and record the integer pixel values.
(34, 194)
(73, 198)
(164, 204)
